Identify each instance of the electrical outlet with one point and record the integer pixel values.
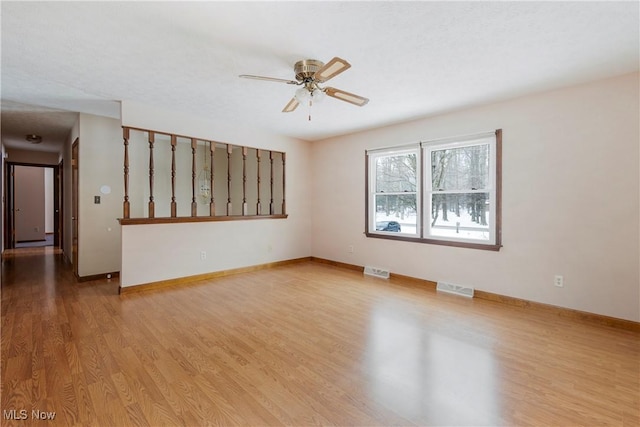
(558, 281)
(203, 255)
(350, 249)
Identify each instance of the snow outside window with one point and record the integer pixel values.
(442, 192)
(460, 190)
(394, 197)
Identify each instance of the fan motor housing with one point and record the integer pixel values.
(306, 68)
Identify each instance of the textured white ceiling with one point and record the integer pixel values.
(412, 59)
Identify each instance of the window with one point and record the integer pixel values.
(395, 194)
(443, 192)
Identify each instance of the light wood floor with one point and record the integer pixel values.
(305, 344)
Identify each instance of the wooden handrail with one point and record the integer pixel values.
(186, 219)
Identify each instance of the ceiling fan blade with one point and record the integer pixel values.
(346, 96)
(331, 69)
(291, 105)
(269, 79)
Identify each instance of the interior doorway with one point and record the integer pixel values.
(32, 208)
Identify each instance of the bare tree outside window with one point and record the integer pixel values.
(396, 180)
(456, 201)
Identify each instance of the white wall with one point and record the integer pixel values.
(570, 199)
(165, 251)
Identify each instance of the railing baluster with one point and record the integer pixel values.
(125, 204)
(258, 207)
(229, 151)
(174, 206)
(271, 210)
(244, 181)
(212, 204)
(194, 205)
(152, 207)
(284, 205)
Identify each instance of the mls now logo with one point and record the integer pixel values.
(23, 414)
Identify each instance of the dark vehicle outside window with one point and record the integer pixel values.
(388, 226)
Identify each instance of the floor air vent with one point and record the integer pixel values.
(455, 289)
(377, 272)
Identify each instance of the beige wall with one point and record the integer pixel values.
(33, 157)
(165, 251)
(67, 211)
(29, 203)
(570, 199)
(100, 153)
(48, 200)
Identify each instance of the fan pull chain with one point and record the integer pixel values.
(310, 104)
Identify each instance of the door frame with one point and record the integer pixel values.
(58, 205)
(9, 206)
(75, 235)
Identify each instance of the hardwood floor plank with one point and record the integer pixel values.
(86, 412)
(136, 416)
(300, 344)
(171, 397)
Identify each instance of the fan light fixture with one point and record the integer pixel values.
(310, 73)
(33, 138)
(305, 94)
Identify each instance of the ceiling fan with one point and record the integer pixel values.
(310, 74)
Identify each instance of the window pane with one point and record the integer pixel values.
(464, 216)
(464, 168)
(396, 213)
(396, 173)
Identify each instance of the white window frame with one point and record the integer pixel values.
(424, 191)
(373, 157)
(430, 147)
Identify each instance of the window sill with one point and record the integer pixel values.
(184, 219)
(482, 246)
